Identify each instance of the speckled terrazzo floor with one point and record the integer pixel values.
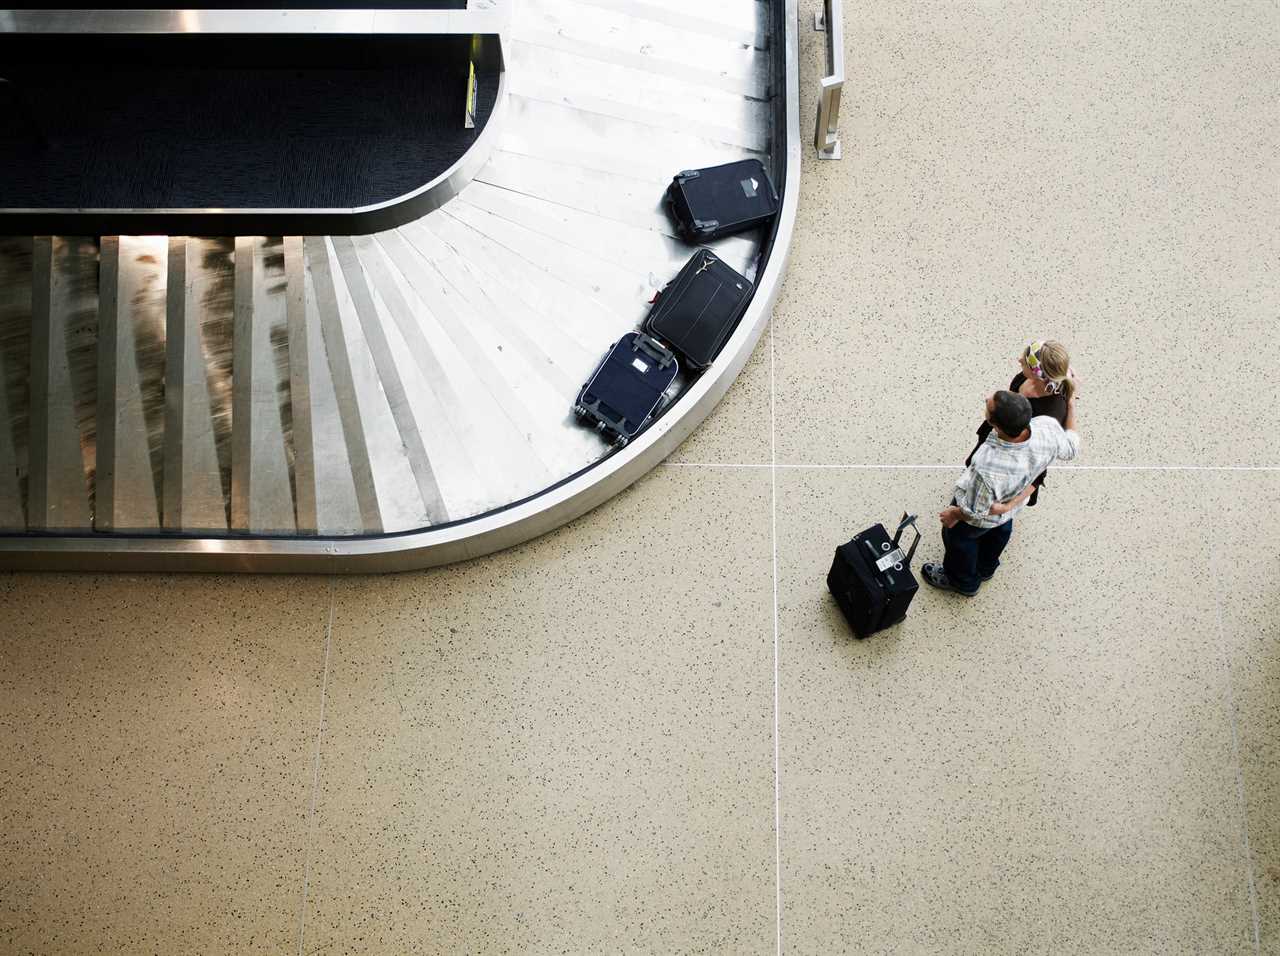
(570, 747)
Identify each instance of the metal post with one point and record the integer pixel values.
(826, 138)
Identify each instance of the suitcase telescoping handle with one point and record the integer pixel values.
(907, 519)
(648, 346)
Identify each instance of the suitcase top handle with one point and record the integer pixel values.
(897, 535)
(651, 348)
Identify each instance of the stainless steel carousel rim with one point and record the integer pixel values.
(502, 527)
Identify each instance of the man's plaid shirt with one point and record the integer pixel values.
(1002, 469)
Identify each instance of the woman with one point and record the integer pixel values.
(1049, 384)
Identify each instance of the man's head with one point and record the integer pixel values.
(1009, 412)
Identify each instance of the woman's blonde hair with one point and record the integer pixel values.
(1057, 366)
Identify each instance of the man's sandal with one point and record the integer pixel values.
(933, 574)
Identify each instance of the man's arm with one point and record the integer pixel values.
(973, 500)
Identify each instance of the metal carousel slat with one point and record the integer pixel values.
(664, 121)
(261, 486)
(389, 377)
(543, 69)
(494, 424)
(444, 418)
(519, 397)
(729, 21)
(352, 411)
(198, 334)
(581, 315)
(297, 406)
(506, 330)
(609, 196)
(654, 47)
(64, 309)
(626, 288)
(538, 334)
(541, 128)
(658, 253)
(399, 501)
(131, 354)
(338, 503)
(15, 367)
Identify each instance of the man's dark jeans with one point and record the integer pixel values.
(973, 553)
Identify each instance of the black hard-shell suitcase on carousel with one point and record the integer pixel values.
(699, 308)
(721, 200)
(871, 578)
(627, 388)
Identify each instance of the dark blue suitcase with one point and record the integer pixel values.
(628, 387)
(718, 201)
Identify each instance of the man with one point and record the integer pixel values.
(994, 487)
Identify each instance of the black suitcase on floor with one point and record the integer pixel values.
(871, 578)
(627, 388)
(721, 200)
(699, 308)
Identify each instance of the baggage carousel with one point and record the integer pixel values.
(393, 389)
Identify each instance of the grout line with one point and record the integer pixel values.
(959, 467)
(711, 464)
(773, 466)
(1168, 467)
(777, 779)
(1230, 696)
(873, 467)
(315, 777)
(1244, 824)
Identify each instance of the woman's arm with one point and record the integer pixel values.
(1000, 508)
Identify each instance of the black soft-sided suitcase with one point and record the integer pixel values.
(699, 308)
(627, 388)
(721, 200)
(871, 578)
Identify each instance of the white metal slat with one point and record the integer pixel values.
(389, 376)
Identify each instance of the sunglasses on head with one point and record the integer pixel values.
(1032, 357)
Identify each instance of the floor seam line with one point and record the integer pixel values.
(1230, 696)
(777, 781)
(315, 775)
(1244, 822)
(1265, 469)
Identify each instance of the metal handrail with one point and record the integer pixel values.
(826, 139)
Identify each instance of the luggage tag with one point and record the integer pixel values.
(895, 557)
(891, 560)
